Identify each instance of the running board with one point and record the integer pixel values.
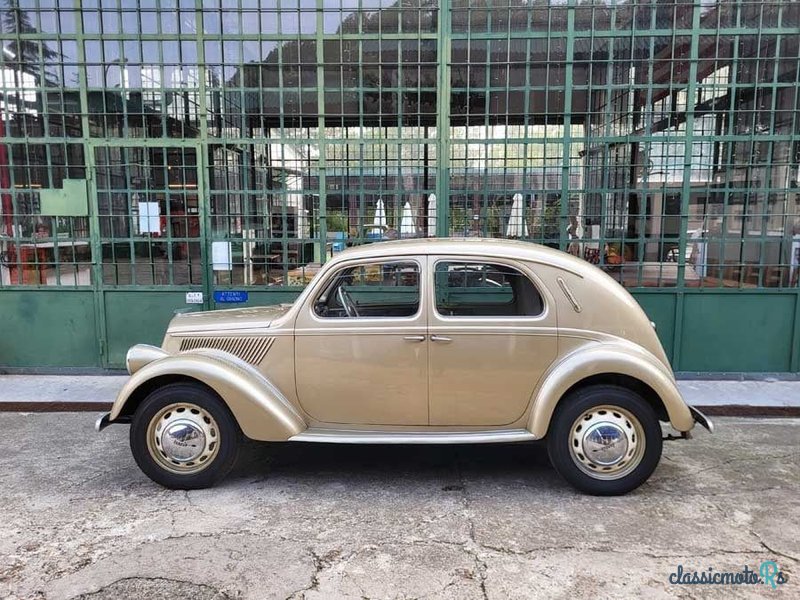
(354, 436)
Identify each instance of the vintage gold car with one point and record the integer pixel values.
(436, 341)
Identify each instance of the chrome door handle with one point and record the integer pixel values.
(414, 338)
(440, 338)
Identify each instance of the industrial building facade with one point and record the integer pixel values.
(154, 154)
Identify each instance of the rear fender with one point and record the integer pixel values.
(607, 359)
(262, 411)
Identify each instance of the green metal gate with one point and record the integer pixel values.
(152, 150)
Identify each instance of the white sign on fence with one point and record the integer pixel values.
(221, 256)
(149, 217)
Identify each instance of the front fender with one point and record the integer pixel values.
(618, 358)
(261, 410)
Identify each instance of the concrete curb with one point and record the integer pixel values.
(73, 393)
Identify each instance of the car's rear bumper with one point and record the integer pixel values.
(102, 422)
(702, 419)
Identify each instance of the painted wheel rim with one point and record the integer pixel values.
(183, 438)
(607, 442)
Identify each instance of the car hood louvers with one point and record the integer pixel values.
(252, 350)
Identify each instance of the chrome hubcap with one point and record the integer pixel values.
(183, 438)
(607, 442)
(182, 441)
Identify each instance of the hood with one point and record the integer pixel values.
(226, 320)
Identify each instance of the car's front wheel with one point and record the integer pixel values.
(605, 440)
(183, 437)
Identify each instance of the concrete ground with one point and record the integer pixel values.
(94, 389)
(79, 520)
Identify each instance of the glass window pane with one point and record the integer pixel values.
(484, 290)
(382, 290)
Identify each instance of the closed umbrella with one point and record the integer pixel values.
(379, 220)
(517, 227)
(432, 215)
(380, 214)
(407, 228)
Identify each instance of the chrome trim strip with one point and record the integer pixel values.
(568, 293)
(350, 436)
(487, 329)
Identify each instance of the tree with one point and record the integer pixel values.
(26, 55)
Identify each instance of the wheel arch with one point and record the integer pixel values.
(624, 381)
(258, 406)
(625, 365)
(137, 396)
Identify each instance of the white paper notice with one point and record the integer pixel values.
(149, 213)
(221, 256)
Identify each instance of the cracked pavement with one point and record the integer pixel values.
(79, 520)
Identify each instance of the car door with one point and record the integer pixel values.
(492, 335)
(361, 354)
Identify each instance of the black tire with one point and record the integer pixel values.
(227, 437)
(580, 403)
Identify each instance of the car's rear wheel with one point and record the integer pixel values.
(605, 440)
(183, 437)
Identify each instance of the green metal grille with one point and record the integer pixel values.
(659, 140)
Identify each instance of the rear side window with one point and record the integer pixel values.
(477, 289)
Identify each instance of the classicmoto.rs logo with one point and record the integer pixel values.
(768, 573)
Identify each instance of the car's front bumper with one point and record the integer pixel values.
(702, 419)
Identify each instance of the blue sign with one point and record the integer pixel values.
(230, 296)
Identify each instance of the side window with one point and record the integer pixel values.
(381, 289)
(476, 289)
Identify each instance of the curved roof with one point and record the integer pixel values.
(489, 247)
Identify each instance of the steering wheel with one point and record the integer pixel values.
(347, 302)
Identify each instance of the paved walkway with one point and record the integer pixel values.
(90, 391)
(60, 388)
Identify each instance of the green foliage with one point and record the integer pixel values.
(337, 221)
(458, 219)
(545, 226)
